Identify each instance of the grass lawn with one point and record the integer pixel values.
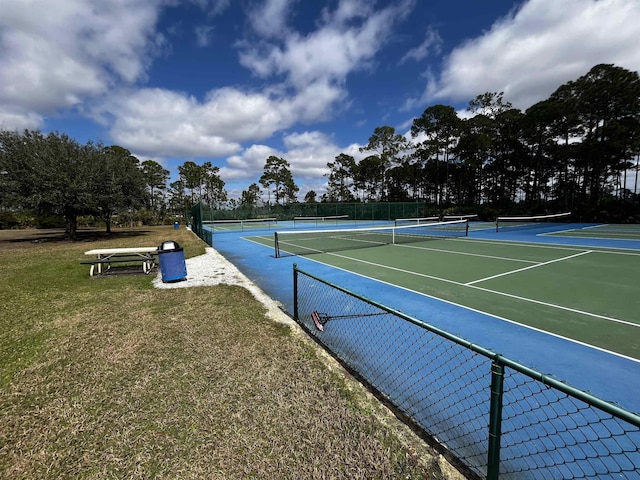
(106, 377)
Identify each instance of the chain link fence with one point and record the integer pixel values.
(373, 211)
(500, 419)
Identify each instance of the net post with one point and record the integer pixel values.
(275, 244)
(497, 224)
(295, 292)
(495, 420)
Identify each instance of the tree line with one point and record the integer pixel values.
(572, 151)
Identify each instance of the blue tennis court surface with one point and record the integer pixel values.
(610, 375)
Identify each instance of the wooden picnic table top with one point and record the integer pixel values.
(123, 251)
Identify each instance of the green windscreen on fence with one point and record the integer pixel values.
(373, 211)
(206, 218)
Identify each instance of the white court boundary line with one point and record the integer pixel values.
(458, 305)
(527, 268)
(453, 252)
(517, 297)
(496, 292)
(574, 233)
(634, 252)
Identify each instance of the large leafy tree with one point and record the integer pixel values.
(310, 196)
(277, 175)
(486, 150)
(179, 201)
(489, 104)
(214, 191)
(506, 171)
(369, 178)
(608, 108)
(192, 176)
(541, 148)
(441, 127)
(203, 183)
(472, 150)
(118, 183)
(340, 178)
(250, 196)
(290, 188)
(389, 147)
(50, 174)
(155, 178)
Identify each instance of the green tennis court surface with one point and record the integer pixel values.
(589, 295)
(612, 232)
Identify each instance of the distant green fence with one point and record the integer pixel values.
(499, 418)
(196, 226)
(374, 211)
(355, 211)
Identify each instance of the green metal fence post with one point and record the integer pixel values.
(495, 420)
(295, 292)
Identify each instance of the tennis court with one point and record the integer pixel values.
(583, 294)
(564, 305)
(607, 232)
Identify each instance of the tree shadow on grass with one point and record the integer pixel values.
(60, 236)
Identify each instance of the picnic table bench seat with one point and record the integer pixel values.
(107, 256)
(95, 261)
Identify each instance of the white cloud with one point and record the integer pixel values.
(348, 10)
(56, 53)
(94, 56)
(328, 54)
(248, 164)
(307, 152)
(19, 120)
(432, 42)
(315, 68)
(270, 19)
(167, 123)
(540, 46)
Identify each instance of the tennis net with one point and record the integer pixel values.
(471, 216)
(319, 241)
(237, 224)
(503, 223)
(415, 221)
(329, 219)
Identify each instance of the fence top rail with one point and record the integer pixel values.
(587, 398)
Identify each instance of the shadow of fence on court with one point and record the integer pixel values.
(498, 418)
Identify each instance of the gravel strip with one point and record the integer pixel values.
(213, 269)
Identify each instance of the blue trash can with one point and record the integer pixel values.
(176, 225)
(172, 264)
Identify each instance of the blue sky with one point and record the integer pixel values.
(235, 81)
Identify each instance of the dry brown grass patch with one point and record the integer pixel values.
(184, 383)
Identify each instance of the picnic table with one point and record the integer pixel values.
(107, 256)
